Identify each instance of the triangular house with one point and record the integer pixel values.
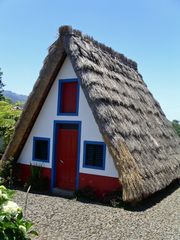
(91, 121)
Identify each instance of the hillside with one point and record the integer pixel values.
(15, 97)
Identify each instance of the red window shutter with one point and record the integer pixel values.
(69, 97)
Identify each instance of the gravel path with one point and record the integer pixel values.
(60, 219)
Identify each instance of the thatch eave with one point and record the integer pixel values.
(48, 73)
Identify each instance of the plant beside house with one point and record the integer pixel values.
(12, 223)
(9, 115)
(176, 126)
(112, 198)
(36, 180)
(6, 172)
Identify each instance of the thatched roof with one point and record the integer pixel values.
(144, 147)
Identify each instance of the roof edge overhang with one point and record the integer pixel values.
(52, 64)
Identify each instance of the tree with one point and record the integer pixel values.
(1, 86)
(176, 126)
(9, 114)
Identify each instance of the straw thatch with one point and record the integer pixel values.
(144, 147)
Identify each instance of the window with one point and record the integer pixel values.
(41, 149)
(68, 99)
(94, 155)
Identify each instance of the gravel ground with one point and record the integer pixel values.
(59, 218)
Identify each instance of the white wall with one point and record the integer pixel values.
(43, 126)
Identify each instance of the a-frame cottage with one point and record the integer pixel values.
(91, 121)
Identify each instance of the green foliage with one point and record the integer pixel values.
(9, 115)
(176, 126)
(1, 86)
(12, 224)
(36, 180)
(87, 193)
(6, 172)
(113, 198)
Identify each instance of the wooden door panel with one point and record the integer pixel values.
(66, 162)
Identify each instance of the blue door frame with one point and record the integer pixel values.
(53, 175)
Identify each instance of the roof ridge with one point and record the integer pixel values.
(68, 30)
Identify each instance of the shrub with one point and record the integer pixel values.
(36, 180)
(8, 118)
(113, 198)
(6, 172)
(87, 193)
(12, 224)
(176, 126)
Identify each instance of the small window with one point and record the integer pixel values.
(41, 149)
(68, 99)
(94, 155)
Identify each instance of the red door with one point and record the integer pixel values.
(66, 162)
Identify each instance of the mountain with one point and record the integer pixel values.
(14, 96)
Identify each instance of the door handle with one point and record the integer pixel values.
(61, 161)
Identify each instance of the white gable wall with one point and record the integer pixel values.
(43, 126)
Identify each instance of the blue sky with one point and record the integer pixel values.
(145, 31)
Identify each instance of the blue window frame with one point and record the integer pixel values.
(41, 149)
(61, 85)
(94, 155)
